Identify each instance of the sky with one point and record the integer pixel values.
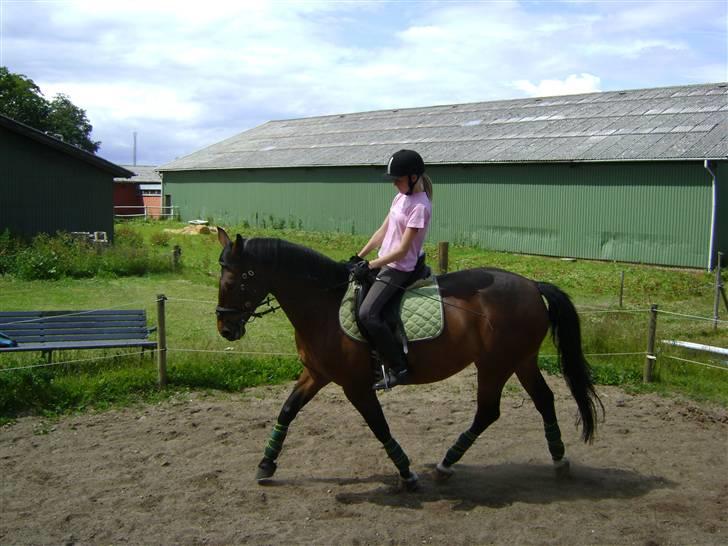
(183, 75)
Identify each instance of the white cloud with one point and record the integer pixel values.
(572, 85)
(195, 71)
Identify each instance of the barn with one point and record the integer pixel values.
(637, 175)
(140, 195)
(49, 185)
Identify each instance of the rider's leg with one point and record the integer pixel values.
(386, 285)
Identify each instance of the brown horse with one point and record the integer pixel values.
(493, 318)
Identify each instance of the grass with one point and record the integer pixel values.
(192, 295)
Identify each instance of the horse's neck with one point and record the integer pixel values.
(308, 307)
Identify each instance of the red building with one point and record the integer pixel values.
(140, 195)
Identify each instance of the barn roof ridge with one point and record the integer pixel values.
(63, 147)
(669, 123)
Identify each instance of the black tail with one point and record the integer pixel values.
(566, 332)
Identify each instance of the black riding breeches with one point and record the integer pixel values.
(388, 283)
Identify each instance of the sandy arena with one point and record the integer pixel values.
(181, 472)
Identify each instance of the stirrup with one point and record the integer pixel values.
(391, 378)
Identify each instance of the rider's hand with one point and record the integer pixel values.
(361, 270)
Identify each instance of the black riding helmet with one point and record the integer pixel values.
(405, 163)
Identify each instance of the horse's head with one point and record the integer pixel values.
(242, 287)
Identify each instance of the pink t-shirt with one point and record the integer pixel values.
(407, 211)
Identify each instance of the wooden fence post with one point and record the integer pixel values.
(718, 291)
(161, 342)
(621, 288)
(442, 253)
(176, 255)
(650, 358)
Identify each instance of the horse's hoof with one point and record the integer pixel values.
(562, 467)
(265, 471)
(443, 473)
(409, 483)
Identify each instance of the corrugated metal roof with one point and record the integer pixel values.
(142, 173)
(670, 123)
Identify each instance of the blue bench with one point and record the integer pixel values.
(48, 331)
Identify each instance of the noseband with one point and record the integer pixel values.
(245, 316)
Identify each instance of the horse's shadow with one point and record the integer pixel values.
(497, 486)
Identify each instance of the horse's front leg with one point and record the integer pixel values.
(366, 402)
(306, 388)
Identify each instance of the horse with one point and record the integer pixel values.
(493, 318)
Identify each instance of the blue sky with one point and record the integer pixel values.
(185, 75)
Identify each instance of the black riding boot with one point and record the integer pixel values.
(395, 374)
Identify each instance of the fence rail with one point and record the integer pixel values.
(146, 211)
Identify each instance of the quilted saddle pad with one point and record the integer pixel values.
(420, 308)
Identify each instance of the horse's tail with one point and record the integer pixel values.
(566, 333)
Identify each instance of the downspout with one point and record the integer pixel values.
(714, 204)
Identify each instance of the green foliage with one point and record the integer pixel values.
(9, 248)
(126, 236)
(159, 238)
(63, 255)
(22, 100)
(70, 121)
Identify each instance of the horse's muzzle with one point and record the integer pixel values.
(231, 332)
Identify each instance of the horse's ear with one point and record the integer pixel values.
(222, 236)
(239, 244)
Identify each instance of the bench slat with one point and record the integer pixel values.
(100, 328)
(53, 313)
(79, 334)
(36, 326)
(42, 326)
(79, 345)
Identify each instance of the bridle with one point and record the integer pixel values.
(246, 316)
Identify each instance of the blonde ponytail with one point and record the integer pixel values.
(427, 185)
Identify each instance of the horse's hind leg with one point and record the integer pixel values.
(306, 388)
(532, 380)
(489, 395)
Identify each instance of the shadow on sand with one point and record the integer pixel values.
(501, 485)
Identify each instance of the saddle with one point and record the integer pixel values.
(414, 314)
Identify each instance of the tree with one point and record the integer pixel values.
(22, 100)
(67, 119)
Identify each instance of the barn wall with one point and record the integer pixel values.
(127, 198)
(721, 231)
(44, 190)
(638, 212)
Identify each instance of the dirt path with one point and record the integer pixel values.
(181, 472)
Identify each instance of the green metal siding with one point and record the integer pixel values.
(721, 227)
(44, 190)
(639, 212)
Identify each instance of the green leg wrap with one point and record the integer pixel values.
(398, 456)
(553, 437)
(459, 448)
(275, 442)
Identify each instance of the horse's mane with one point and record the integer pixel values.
(300, 261)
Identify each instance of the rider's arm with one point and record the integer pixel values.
(399, 253)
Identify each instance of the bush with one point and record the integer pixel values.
(63, 255)
(126, 236)
(159, 238)
(9, 247)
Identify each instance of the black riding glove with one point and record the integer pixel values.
(351, 263)
(361, 271)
